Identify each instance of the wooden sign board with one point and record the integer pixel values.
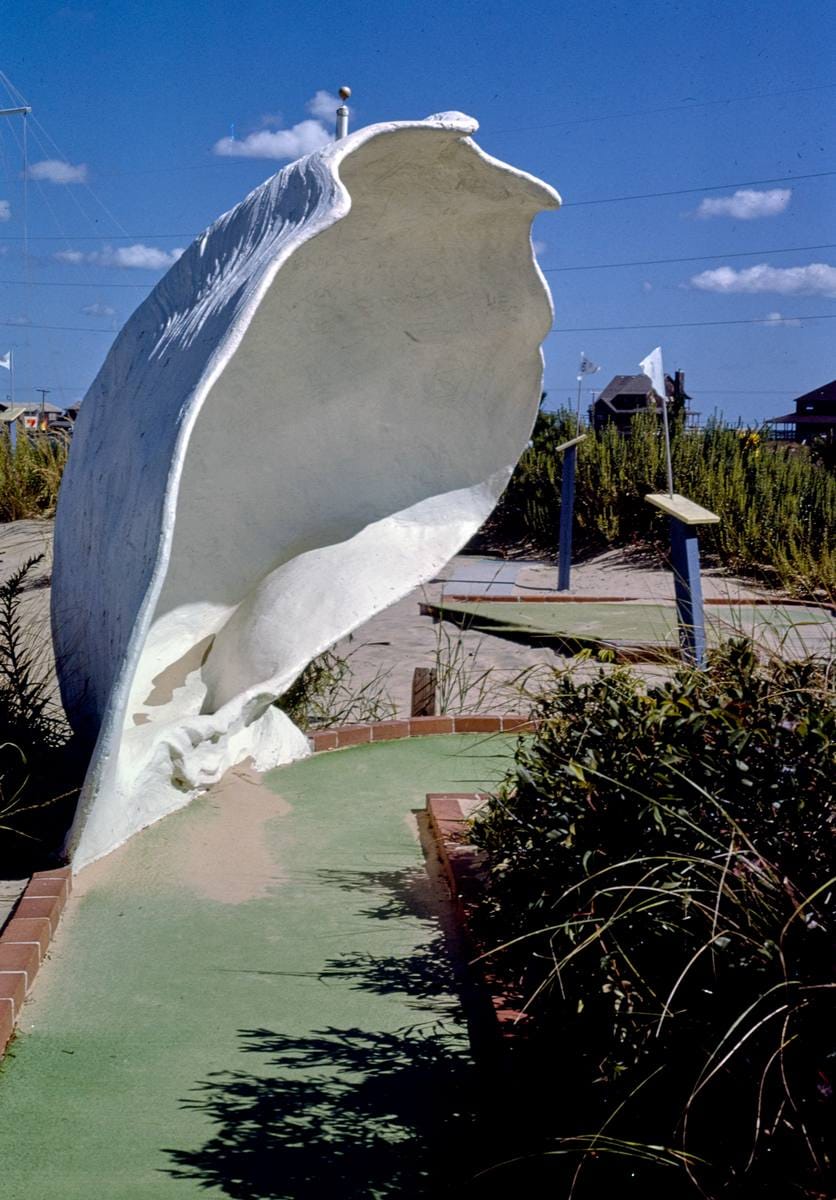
(683, 509)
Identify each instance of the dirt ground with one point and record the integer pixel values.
(396, 641)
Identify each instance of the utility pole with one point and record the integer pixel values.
(44, 393)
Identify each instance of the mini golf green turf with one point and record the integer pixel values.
(637, 623)
(254, 997)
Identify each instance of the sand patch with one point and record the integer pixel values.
(217, 847)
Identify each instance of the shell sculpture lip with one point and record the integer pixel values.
(308, 416)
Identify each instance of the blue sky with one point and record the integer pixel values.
(600, 99)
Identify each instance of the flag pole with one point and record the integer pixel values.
(567, 487)
(13, 422)
(685, 519)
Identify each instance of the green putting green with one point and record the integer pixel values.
(254, 997)
(636, 624)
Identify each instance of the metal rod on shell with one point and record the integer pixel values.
(342, 113)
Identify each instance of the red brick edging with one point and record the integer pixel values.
(25, 939)
(385, 731)
(449, 815)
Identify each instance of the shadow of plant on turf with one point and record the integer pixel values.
(351, 1112)
(342, 1112)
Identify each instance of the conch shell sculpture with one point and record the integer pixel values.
(309, 415)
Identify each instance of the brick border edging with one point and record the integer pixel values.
(24, 942)
(428, 608)
(464, 868)
(27, 934)
(386, 731)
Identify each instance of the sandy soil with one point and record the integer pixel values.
(396, 641)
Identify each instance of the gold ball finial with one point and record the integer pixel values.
(345, 93)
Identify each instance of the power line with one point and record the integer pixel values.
(568, 329)
(707, 187)
(713, 187)
(558, 387)
(93, 237)
(645, 112)
(694, 324)
(646, 262)
(72, 283)
(244, 160)
(653, 262)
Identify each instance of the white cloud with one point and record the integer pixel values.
(98, 310)
(775, 318)
(746, 204)
(54, 170)
(324, 106)
(146, 258)
(5, 210)
(272, 141)
(815, 279)
(70, 256)
(302, 139)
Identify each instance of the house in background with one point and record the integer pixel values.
(627, 395)
(34, 417)
(814, 416)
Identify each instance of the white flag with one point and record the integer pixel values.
(652, 368)
(6, 360)
(588, 367)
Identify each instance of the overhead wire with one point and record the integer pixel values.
(646, 262)
(646, 112)
(801, 317)
(695, 324)
(654, 262)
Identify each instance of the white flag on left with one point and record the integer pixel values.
(6, 360)
(588, 367)
(652, 368)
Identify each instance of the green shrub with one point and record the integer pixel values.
(661, 885)
(40, 771)
(777, 504)
(30, 475)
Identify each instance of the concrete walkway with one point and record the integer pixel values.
(254, 998)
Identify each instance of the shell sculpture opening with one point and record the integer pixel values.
(309, 415)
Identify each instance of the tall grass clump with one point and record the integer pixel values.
(30, 475)
(661, 892)
(776, 503)
(40, 772)
(328, 693)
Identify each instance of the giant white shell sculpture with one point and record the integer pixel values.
(308, 416)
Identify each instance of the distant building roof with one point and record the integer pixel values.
(826, 392)
(626, 385)
(794, 418)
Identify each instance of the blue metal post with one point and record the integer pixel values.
(685, 559)
(567, 516)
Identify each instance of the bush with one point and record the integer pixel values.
(661, 885)
(30, 475)
(40, 772)
(777, 504)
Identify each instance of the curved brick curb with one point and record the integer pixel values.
(449, 815)
(385, 731)
(25, 939)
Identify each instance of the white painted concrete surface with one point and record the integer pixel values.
(312, 411)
